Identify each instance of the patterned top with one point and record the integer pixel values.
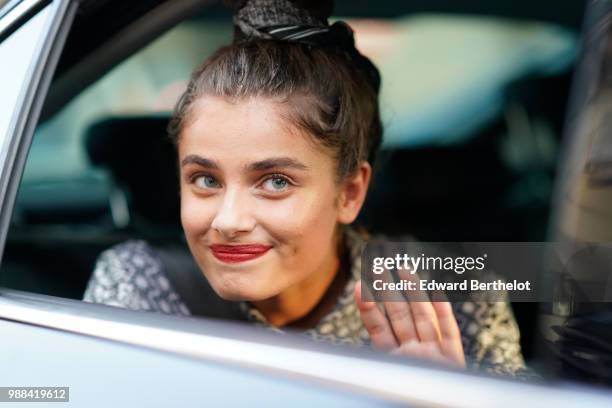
(131, 275)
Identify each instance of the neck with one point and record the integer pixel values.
(299, 300)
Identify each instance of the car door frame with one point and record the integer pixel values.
(31, 99)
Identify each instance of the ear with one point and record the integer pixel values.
(353, 192)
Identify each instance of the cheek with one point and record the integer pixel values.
(301, 222)
(196, 216)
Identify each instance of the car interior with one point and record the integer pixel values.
(113, 176)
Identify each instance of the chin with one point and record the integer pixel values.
(239, 291)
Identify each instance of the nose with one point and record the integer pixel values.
(234, 216)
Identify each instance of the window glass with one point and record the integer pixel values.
(146, 83)
(493, 116)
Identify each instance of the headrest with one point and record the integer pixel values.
(143, 162)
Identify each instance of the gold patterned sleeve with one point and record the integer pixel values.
(491, 337)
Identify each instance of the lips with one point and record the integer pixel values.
(238, 253)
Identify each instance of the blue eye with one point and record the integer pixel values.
(276, 184)
(206, 182)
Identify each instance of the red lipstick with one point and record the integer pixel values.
(238, 253)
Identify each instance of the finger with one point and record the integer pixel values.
(375, 322)
(401, 320)
(446, 317)
(446, 320)
(398, 312)
(439, 296)
(423, 313)
(450, 343)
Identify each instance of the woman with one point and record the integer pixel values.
(276, 135)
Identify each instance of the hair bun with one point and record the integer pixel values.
(252, 15)
(303, 21)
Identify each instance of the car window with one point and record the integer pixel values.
(62, 185)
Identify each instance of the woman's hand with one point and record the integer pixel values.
(418, 328)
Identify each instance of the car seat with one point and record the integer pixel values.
(142, 162)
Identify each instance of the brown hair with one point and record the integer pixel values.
(326, 94)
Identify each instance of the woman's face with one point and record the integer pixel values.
(259, 200)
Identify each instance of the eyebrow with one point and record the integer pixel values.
(277, 162)
(200, 161)
(272, 163)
